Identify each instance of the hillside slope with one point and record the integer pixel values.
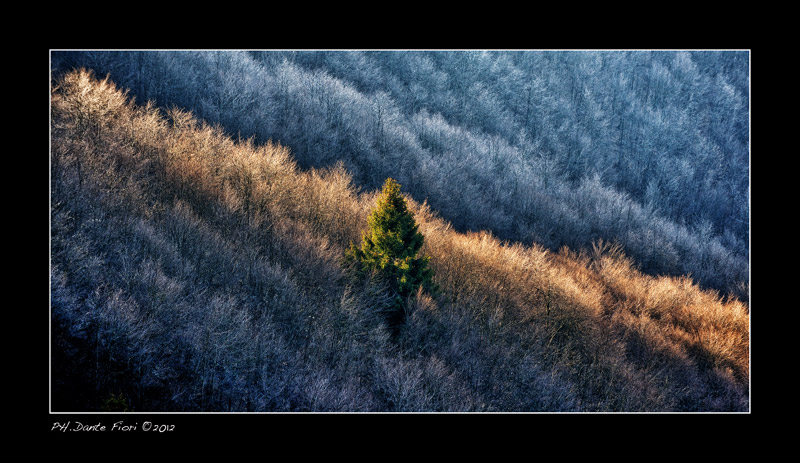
(560, 148)
(194, 272)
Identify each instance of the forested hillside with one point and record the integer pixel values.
(193, 269)
(649, 150)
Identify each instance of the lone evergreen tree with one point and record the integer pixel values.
(390, 248)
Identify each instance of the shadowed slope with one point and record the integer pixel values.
(194, 272)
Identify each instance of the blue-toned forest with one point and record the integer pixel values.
(647, 148)
(578, 162)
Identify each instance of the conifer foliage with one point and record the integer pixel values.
(390, 249)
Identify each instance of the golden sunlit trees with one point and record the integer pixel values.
(192, 272)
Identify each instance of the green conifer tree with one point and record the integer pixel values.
(390, 249)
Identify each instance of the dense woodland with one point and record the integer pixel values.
(585, 214)
(646, 149)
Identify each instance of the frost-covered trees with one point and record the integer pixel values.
(194, 272)
(515, 133)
